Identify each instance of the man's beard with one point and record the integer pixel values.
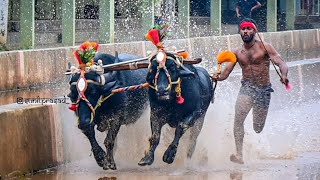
(247, 38)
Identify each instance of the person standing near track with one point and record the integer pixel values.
(254, 58)
(244, 8)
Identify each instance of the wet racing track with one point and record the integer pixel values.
(288, 147)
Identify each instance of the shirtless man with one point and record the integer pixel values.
(255, 91)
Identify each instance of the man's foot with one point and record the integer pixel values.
(236, 159)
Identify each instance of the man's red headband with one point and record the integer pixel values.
(245, 24)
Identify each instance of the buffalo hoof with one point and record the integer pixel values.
(110, 165)
(170, 154)
(99, 155)
(146, 160)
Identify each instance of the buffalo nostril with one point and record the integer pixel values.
(162, 93)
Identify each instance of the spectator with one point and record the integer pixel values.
(244, 8)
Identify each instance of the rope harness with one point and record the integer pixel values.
(81, 95)
(177, 82)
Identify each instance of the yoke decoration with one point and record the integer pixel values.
(157, 35)
(84, 56)
(86, 53)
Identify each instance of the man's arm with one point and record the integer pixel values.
(238, 11)
(277, 60)
(258, 5)
(225, 73)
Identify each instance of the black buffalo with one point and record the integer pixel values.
(117, 109)
(196, 89)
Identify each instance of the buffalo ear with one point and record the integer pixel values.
(184, 72)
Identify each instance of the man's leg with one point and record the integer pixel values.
(260, 111)
(242, 108)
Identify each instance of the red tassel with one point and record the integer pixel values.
(155, 36)
(97, 47)
(73, 107)
(180, 100)
(76, 54)
(82, 47)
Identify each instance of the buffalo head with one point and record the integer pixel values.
(87, 85)
(165, 73)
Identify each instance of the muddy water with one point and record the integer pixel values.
(306, 166)
(287, 148)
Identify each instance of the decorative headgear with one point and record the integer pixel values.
(157, 34)
(86, 53)
(245, 24)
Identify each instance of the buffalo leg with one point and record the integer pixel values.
(109, 143)
(156, 125)
(170, 153)
(194, 133)
(98, 152)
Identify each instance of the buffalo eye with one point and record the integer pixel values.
(92, 90)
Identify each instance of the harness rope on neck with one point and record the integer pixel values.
(101, 99)
(180, 99)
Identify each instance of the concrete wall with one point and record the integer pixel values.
(37, 137)
(34, 67)
(31, 138)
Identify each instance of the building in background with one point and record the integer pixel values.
(128, 14)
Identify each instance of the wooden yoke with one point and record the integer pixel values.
(140, 65)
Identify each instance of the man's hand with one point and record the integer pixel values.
(284, 80)
(216, 76)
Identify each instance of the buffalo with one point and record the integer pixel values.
(179, 95)
(96, 104)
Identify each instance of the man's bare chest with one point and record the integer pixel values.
(251, 56)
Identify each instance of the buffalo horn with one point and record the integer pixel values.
(194, 61)
(107, 77)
